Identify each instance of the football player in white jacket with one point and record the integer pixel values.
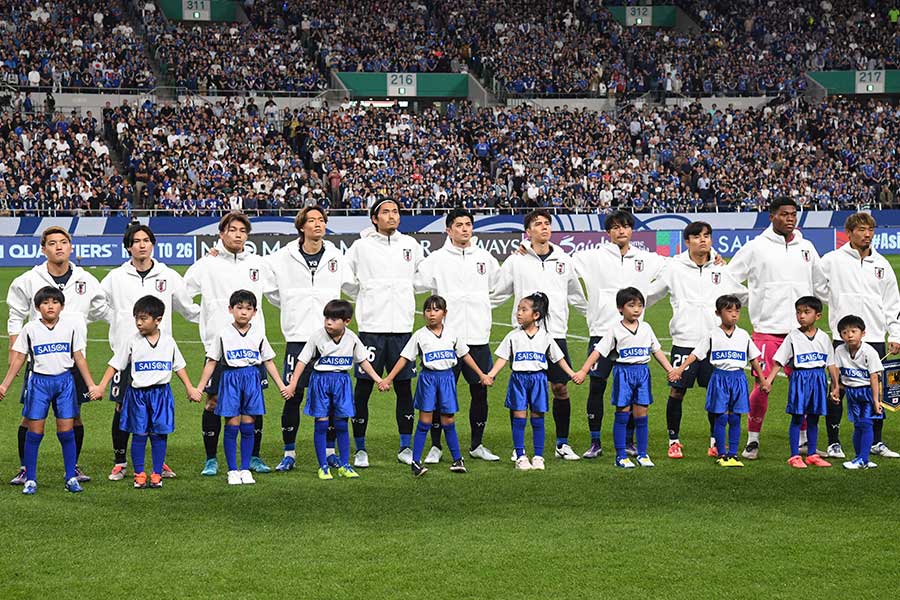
(383, 264)
(84, 298)
(140, 276)
(464, 275)
(215, 277)
(856, 280)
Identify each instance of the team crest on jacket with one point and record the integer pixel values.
(80, 287)
(332, 265)
(716, 278)
(561, 268)
(480, 268)
(407, 254)
(254, 275)
(639, 265)
(160, 285)
(805, 254)
(879, 273)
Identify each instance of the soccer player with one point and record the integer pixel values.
(606, 270)
(778, 268)
(527, 348)
(333, 350)
(464, 274)
(148, 407)
(693, 281)
(383, 265)
(634, 342)
(856, 279)
(808, 352)
(860, 366)
(237, 351)
(84, 298)
(308, 273)
(140, 276)
(543, 267)
(440, 348)
(729, 349)
(55, 344)
(216, 277)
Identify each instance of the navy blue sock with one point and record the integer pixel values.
(794, 434)
(138, 452)
(518, 435)
(642, 434)
(734, 433)
(812, 434)
(229, 444)
(452, 441)
(320, 432)
(721, 422)
(422, 430)
(158, 443)
(538, 432)
(30, 454)
(865, 438)
(342, 430)
(619, 426)
(67, 441)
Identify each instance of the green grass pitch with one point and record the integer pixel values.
(686, 529)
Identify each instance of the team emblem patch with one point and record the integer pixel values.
(716, 278)
(560, 268)
(480, 268)
(639, 265)
(407, 254)
(80, 287)
(332, 265)
(805, 254)
(160, 285)
(879, 273)
(254, 274)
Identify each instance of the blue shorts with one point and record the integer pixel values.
(860, 404)
(148, 410)
(527, 390)
(631, 385)
(481, 354)
(384, 351)
(436, 391)
(807, 392)
(330, 392)
(81, 388)
(291, 353)
(728, 392)
(212, 386)
(44, 391)
(240, 393)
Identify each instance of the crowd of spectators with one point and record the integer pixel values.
(71, 44)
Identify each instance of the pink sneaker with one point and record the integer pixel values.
(796, 461)
(814, 460)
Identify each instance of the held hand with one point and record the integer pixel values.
(836, 395)
(765, 386)
(487, 381)
(194, 395)
(95, 392)
(287, 391)
(674, 375)
(384, 385)
(878, 408)
(578, 377)
(893, 348)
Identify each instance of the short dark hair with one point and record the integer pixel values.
(48, 292)
(696, 228)
(809, 302)
(149, 305)
(626, 295)
(851, 321)
(727, 301)
(128, 240)
(338, 309)
(458, 213)
(434, 302)
(242, 297)
(780, 201)
(238, 216)
(540, 303)
(538, 212)
(622, 218)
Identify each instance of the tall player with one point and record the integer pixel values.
(778, 268)
(140, 276)
(544, 267)
(464, 274)
(308, 273)
(84, 298)
(382, 266)
(215, 278)
(856, 279)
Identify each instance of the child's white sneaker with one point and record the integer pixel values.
(537, 463)
(523, 464)
(246, 477)
(234, 478)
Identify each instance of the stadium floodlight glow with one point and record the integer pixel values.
(639, 21)
(196, 15)
(870, 88)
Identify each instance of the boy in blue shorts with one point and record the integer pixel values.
(240, 348)
(55, 344)
(859, 366)
(335, 349)
(148, 407)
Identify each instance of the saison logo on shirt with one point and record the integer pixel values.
(152, 365)
(728, 355)
(809, 357)
(242, 353)
(54, 348)
(634, 352)
(336, 361)
(530, 355)
(439, 355)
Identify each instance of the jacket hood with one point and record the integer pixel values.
(370, 232)
(770, 235)
(225, 253)
(448, 245)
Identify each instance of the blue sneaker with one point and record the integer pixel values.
(286, 464)
(334, 461)
(73, 486)
(211, 468)
(258, 466)
(30, 488)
